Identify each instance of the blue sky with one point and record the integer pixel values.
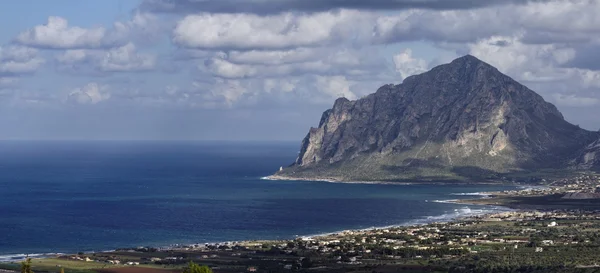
(266, 69)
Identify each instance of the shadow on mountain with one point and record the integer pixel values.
(472, 171)
(459, 121)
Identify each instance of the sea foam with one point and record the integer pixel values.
(21, 257)
(471, 194)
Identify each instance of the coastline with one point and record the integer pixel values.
(456, 216)
(277, 177)
(427, 220)
(331, 180)
(460, 241)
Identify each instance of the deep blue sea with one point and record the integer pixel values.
(92, 196)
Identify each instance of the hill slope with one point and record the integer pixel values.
(459, 120)
(589, 157)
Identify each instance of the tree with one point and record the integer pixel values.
(195, 268)
(62, 270)
(26, 266)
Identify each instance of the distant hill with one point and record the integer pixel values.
(459, 121)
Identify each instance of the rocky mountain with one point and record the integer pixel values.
(457, 121)
(589, 157)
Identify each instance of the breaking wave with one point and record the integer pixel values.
(21, 257)
(471, 194)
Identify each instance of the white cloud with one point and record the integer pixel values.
(275, 57)
(12, 67)
(257, 92)
(221, 93)
(574, 101)
(231, 91)
(288, 30)
(17, 53)
(91, 93)
(525, 62)
(278, 6)
(573, 20)
(288, 46)
(224, 69)
(539, 22)
(406, 65)
(244, 58)
(335, 87)
(58, 34)
(322, 61)
(142, 25)
(120, 59)
(126, 58)
(589, 78)
(16, 60)
(80, 61)
(280, 85)
(72, 56)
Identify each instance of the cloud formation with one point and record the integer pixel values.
(407, 65)
(16, 60)
(246, 55)
(269, 64)
(125, 58)
(282, 31)
(56, 33)
(263, 7)
(91, 93)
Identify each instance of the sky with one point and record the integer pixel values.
(267, 69)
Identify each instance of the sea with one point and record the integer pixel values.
(85, 196)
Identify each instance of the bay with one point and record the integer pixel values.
(71, 196)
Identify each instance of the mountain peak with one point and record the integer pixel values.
(464, 115)
(467, 58)
(466, 67)
(470, 61)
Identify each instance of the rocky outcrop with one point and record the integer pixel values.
(589, 157)
(455, 121)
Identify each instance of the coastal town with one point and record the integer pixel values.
(584, 183)
(540, 240)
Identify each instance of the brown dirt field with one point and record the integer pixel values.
(135, 270)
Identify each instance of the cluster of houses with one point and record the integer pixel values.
(550, 216)
(78, 258)
(586, 183)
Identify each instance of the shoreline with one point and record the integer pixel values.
(276, 177)
(331, 180)
(460, 242)
(427, 220)
(449, 217)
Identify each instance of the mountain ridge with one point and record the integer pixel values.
(455, 120)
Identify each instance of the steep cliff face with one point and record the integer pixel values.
(589, 157)
(456, 119)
